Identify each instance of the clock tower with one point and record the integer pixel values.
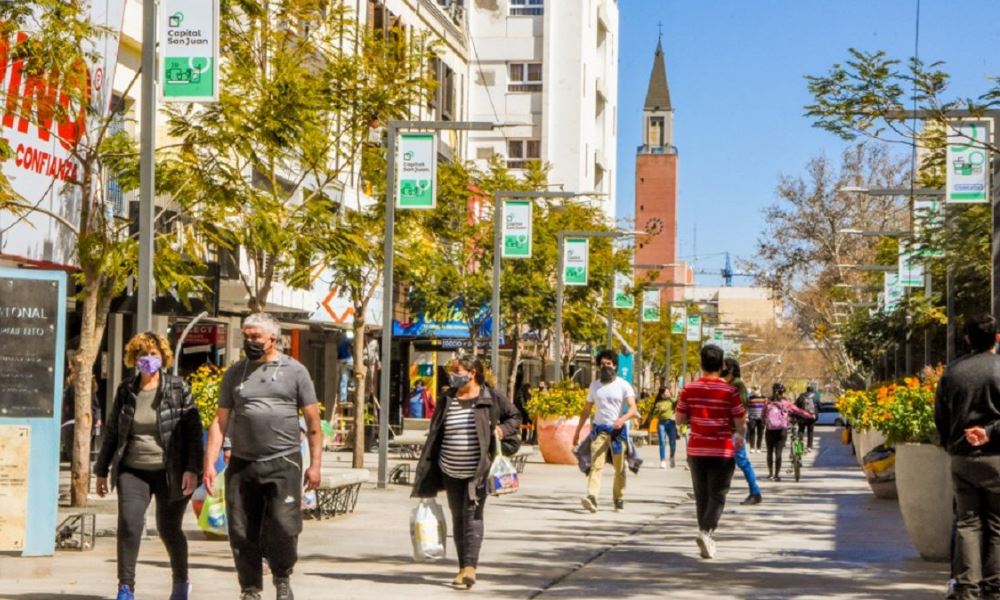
(656, 181)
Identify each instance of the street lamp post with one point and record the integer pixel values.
(385, 381)
(499, 197)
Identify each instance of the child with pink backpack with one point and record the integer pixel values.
(776, 413)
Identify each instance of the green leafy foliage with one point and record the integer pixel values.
(564, 399)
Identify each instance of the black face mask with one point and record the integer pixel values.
(458, 382)
(253, 350)
(607, 374)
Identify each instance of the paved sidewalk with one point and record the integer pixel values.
(826, 537)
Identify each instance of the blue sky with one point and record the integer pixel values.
(736, 71)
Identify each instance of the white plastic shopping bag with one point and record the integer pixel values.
(502, 478)
(428, 530)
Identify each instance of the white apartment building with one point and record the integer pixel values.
(551, 68)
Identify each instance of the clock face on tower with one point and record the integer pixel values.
(654, 226)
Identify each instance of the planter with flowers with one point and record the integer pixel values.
(904, 414)
(556, 413)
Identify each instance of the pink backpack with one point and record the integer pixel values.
(775, 416)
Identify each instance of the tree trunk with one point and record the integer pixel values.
(91, 332)
(360, 394)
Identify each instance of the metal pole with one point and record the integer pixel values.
(638, 352)
(387, 289)
(950, 312)
(611, 313)
(670, 339)
(147, 170)
(557, 338)
(495, 303)
(184, 334)
(928, 290)
(684, 350)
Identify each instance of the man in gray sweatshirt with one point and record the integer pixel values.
(967, 414)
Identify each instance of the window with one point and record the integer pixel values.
(527, 8)
(521, 152)
(524, 77)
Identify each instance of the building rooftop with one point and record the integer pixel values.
(658, 93)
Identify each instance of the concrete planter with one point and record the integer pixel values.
(864, 441)
(923, 480)
(555, 438)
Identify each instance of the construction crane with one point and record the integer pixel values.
(727, 272)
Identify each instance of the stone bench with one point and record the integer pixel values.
(412, 439)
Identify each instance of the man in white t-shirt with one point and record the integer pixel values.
(607, 397)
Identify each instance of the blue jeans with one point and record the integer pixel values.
(743, 462)
(667, 430)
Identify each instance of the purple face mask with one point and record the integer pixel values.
(149, 364)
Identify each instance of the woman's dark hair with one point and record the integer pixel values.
(731, 366)
(981, 332)
(473, 365)
(608, 354)
(777, 390)
(661, 393)
(711, 358)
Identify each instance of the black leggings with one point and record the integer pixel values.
(466, 520)
(775, 439)
(135, 489)
(755, 433)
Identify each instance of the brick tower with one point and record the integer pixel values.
(656, 181)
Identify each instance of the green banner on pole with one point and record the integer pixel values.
(623, 299)
(694, 328)
(189, 50)
(516, 229)
(651, 306)
(967, 163)
(678, 319)
(576, 261)
(416, 186)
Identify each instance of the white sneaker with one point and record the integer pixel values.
(706, 545)
(663, 464)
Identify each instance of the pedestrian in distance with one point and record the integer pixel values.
(755, 421)
(458, 452)
(807, 402)
(967, 415)
(776, 421)
(607, 398)
(718, 423)
(666, 428)
(152, 448)
(261, 395)
(731, 373)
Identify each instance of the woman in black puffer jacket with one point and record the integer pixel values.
(152, 447)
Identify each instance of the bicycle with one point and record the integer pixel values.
(797, 449)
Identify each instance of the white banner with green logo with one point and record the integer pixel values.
(708, 332)
(892, 292)
(678, 319)
(576, 261)
(651, 306)
(189, 50)
(623, 299)
(967, 163)
(927, 214)
(516, 229)
(694, 328)
(911, 269)
(416, 180)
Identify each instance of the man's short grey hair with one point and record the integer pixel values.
(265, 323)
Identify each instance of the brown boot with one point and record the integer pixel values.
(459, 579)
(469, 576)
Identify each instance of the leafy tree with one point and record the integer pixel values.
(55, 55)
(804, 247)
(302, 86)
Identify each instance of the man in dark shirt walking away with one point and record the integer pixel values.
(967, 412)
(262, 394)
(718, 423)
